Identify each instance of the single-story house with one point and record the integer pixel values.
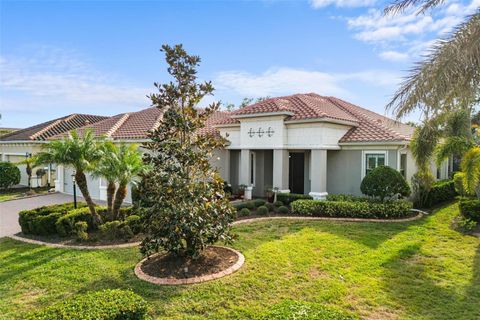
(303, 143)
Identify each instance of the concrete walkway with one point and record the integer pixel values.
(9, 210)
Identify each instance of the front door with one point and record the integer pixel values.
(296, 172)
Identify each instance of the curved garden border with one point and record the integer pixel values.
(169, 281)
(134, 244)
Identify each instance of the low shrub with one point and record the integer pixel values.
(259, 202)
(81, 230)
(65, 225)
(244, 212)
(384, 182)
(135, 223)
(294, 310)
(470, 209)
(287, 198)
(278, 204)
(100, 305)
(269, 206)
(9, 175)
(319, 208)
(284, 209)
(441, 191)
(245, 204)
(262, 211)
(110, 230)
(349, 198)
(42, 221)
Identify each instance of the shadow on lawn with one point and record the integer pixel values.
(422, 293)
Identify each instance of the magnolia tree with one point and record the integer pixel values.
(186, 208)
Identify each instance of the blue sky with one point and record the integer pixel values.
(102, 57)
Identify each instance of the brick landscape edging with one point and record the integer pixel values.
(418, 216)
(71, 246)
(172, 281)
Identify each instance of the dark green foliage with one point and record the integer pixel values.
(250, 205)
(244, 212)
(278, 204)
(100, 305)
(262, 211)
(115, 230)
(42, 220)
(9, 175)
(245, 204)
(470, 209)
(269, 206)
(283, 210)
(259, 202)
(65, 225)
(294, 310)
(349, 198)
(135, 223)
(318, 208)
(81, 228)
(441, 191)
(287, 198)
(384, 182)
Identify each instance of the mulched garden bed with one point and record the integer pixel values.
(94, 239)
(213, 260)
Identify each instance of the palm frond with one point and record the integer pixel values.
(471, 169)
(402, 5)
(449, 75)
(425, 138)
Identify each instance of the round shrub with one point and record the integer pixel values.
(269, 206)
(290, 310)
(101, 305)
(259, 202)
(250, 205)
(65, 225)
(384, 182)
(81, 230)
(135, 223)
(278, 204)
(9, 175)
(244, 212)
(283, 210)
(262, 210)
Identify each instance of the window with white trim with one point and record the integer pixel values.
(403, 164)
(373, 160)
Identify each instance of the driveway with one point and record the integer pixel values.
(9, 210)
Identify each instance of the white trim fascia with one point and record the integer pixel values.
(374, 143)
(226, 125)
(14, 154)
(299, 147)
(24, 142)
(262, 114)
(321, 120)
(365, 152)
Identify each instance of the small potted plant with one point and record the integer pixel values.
(241, 190)
(269, 194)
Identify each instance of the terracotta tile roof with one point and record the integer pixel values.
(367, 126)
(43, 131)
(124, 126)
(215, 118)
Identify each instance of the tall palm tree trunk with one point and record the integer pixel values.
(82, 185)
(110, 196)
(119, 197)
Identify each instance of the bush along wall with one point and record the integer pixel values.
(441, 191)
(101, 305)
(342, 209)
(288, 198)
(470, 209)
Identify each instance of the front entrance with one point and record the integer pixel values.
(296, 172)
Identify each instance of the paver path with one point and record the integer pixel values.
(9, 210)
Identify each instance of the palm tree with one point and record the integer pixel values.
(81, 153)
(107, 168)
(450, 74)
(129, 167)
(471, 169)
(30, 163)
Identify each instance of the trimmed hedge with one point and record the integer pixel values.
(294, 310)
(283, 210)
(9, 175)
(287, 198)
(65, 225)
(101, 305)
(441, 191)
(262, 211)
(385, 183)
(41, 221)
(470, 209)
(350, 198)
(319, 208)
(244, 212)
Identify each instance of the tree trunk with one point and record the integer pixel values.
(110, 196)
(82, 185)
(119, 197)
(29, 175)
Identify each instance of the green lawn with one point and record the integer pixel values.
(20, 193)
(416, 270)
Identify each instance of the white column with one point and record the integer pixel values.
(318, 173)
(226, 164)
(59, 187)
(280, 170)
(244, 176)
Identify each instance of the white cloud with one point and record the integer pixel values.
(60, 76)
(392, 55)
(284, 81)
(341, 3)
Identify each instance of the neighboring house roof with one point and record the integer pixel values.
(43, 131)
(367, 126)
